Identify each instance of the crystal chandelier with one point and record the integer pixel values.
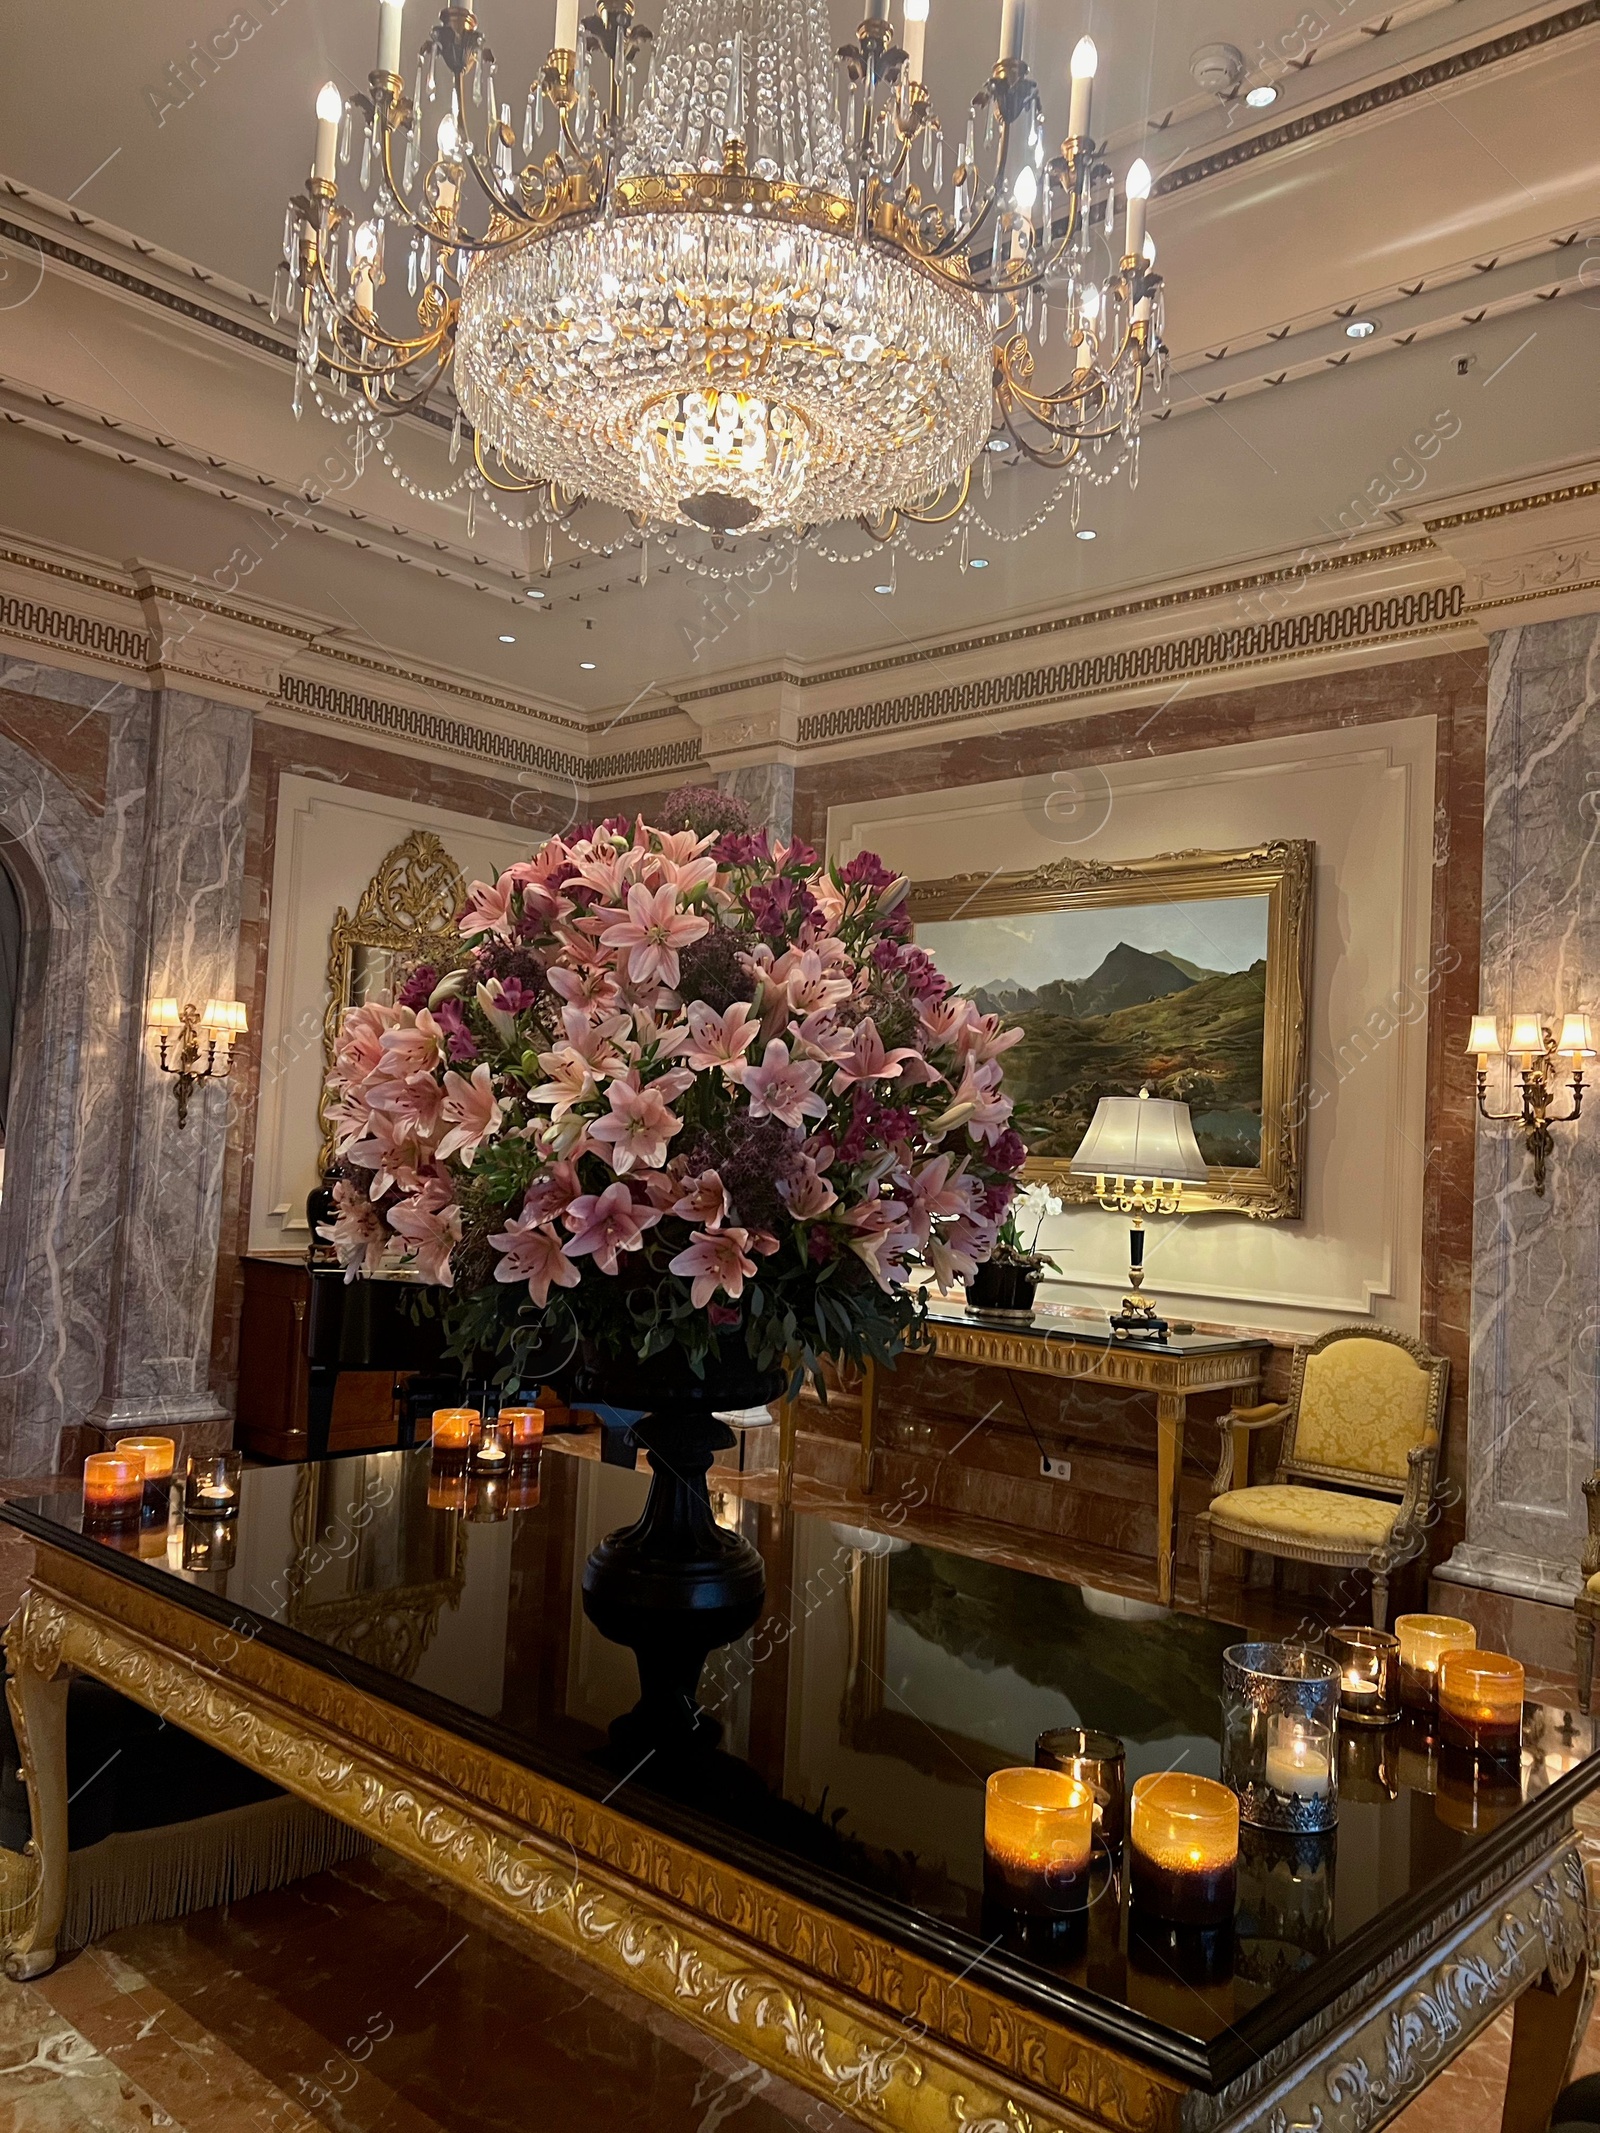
(715, 280)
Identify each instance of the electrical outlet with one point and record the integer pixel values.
(1056, 1469)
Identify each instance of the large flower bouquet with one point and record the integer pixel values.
(680, 1092)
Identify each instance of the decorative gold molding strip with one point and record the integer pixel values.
(1400, 616)
(1421, 81)
(1299, 573)
(322, 700)
(1574, 494)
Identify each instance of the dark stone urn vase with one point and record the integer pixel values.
(675, 1586)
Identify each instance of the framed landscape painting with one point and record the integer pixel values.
(1187, 975)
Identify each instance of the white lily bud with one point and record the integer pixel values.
(894, 896)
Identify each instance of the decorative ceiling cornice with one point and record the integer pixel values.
(1420, 81)
(1574, 493)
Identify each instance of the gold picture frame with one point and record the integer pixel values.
(407, 910)
(1272, 1189)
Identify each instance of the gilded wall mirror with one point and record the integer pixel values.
(407, 913)
(1187, 974)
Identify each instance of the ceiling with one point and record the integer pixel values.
(1459, 211)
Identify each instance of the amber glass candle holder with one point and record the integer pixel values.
(454, 1428)
(211, 1484)
(1480, 1702)
(1369, 1675)
(1097, 1760)
(1183, 1841)
(159, 1455)
(522, 1427)
(1038, 1842)
(113, 1490)
(1424, 1641)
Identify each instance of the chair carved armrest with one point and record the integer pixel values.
(1246, 1419)
(1591, 1547)
(1417, 1502)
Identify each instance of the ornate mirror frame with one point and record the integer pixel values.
(409, 908)
(1282, 871)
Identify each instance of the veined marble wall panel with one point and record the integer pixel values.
(74, 753)
(1535, 1407)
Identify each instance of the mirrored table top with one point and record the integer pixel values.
(856, 1724)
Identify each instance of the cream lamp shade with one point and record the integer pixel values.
(1527, 1035)
(1141, 1137)
(163, 1014)
(1577, 1037)
(1485, 1036)
(227, 1018)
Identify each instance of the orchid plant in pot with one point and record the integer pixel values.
(683, 1116)
(1009, 1278)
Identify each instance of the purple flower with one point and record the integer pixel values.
(921, 973)
(418, 988)
(1009, 1151)
(748, 850)
(866, 871)
(773, 903)
(459, 1042)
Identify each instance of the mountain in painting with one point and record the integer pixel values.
(1128, 977)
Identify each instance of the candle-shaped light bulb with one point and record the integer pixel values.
(1085, 59)
(391, 25)
(566, 25)
(916, 38)
(366, 251)
(330, 110)
(877, 10)
(1013, 28)
(1138, 190)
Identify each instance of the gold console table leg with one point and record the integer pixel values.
(869, 1425)
(1171, 1409)
(36, 1690)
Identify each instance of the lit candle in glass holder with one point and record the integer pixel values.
(1369, 1675)
(113, 1489)
(522, 1427)
(1299, 1760)
(1184, 1848)
(1480, 1701)
(159, 1455)
(211, 1484)
(454, 1428)
(1280, 1708)
(1038, 1838)
(1424, 1641)
(1097, 1760)
(489, 1454)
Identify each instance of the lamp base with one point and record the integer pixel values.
(1138, 1321)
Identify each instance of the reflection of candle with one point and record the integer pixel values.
(1480, 1700)
(113, 1489)
(522, 1493)
(1038, 1833)
(1184, 1835)
(454, 1428)
(1424, 1641)
(447, 1488)
(1298, 1759)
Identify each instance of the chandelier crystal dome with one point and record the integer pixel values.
(715, 279)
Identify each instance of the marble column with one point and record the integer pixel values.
(768, 790)
(1534, 1394)
(158, 1333)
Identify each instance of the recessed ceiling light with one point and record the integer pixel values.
(978, 562)
(506, 637)
(1087, 533)
(1361, 329)
(1261, 96)
(883, 588)
(534, 593)
(999, 444)
(587, 665)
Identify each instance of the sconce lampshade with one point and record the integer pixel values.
(1141, 1137)
(1527, 1033)
(1485, 1037)
(226, 1018)
(1577, 1037)
(164, 1015)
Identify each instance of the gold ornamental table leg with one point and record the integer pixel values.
(1546, 2027)
(788, 1423)
(1171, 1408)
(36, 1690)
(869, 1425)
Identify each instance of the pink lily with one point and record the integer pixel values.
(533, 1253)
(594, 988)
(985, 1037)
(637, 1128)
(607, 1223)
(713, 1260)
(474, 1112)
(782, 1088)
(809, 985)
(719, 1040)
(867, 1060)
(361, 1041)
(488, 909)
(807, 1194)
(570, 1081)
(430, 1222)
(552, 1194)
(878, 1238)
(704, 1200)
(358, 1232)
(654, 930)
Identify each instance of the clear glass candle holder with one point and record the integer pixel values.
(522, 1488)
(1038, 1842)
(113, 1490)
(1097, 1760)
(1480, 1702)
(1424, 1641)
(454, 1428)
(1369, 1675)
(1280, 1709)
(490, 1454)
(1183, 1848)
(211, 1484)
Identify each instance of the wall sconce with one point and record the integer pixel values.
(216, 1029)
(1535, 1053)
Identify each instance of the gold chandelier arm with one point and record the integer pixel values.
(921, 517)
(506, 488)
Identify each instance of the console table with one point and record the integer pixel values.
(1185, 1363)
(414, 1658)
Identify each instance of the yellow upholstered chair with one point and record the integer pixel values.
(1586, 1608)
(1354, 1486)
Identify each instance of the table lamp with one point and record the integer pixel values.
(1141, 1152)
